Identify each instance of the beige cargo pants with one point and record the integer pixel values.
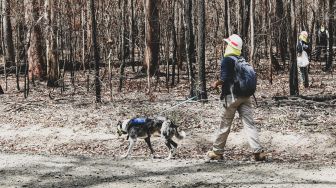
(244, 107)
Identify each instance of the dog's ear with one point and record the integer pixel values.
(119, 127)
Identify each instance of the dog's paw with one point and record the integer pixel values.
(173, 152)
(170, 156)
(152, 156)
(124, 157)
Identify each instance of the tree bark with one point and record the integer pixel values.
(88, 29)
(282, 27)
(227, 27)
(7, 33)
(244, 21)
(293, 77)
(95, 50)
(35, 60)
(152, 26)
(270, 29)
(331, 34)
(132, 35)
(252, 18)
(190, 45)
(1, 90)
(52, 54)
(202, 93)
(123, 26)
(173, 35)
(181, 53)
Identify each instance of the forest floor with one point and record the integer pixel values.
(67, 140)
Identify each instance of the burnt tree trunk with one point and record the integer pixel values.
(331, 34)
(174, 40)
(190, 45)
(35, 58)
(245, 25)
(7, 34)
(132, 36)
(123, 27)
(252, 19)
(1, 90)
(202, 93)
(95, 50)
(293, 77)
(152, 26)
(227, 27)
(282, 27)
(52, 54)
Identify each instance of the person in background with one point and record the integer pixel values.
(322, 42)
(303, 50)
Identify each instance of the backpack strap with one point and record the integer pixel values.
(255, 99)
(235, 58)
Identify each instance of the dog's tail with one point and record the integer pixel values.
(180, 135)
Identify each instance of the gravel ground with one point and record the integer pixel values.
(21, 170)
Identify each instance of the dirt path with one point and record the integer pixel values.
(21, 170)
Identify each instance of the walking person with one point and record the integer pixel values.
(234, 101)
(322, 42)
(303, 51)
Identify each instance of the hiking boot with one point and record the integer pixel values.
(261, 156)
(214, 156)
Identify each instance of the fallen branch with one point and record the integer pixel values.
(322, 98)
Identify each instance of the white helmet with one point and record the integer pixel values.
(304, 33)
(235, 41)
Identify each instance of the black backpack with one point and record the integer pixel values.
(323, 37)
(245, 80)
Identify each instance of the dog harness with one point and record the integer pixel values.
(135, 121)
(138, 121)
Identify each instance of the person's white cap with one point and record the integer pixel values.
(304, 33)
(235, 41)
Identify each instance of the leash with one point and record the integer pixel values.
(192, 98)
(185, 101)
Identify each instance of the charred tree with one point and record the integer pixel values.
(174, 40)
(282, 28)
(95, 50)
(331, 35)
(252, 39)
(190, 45)
(245, 21)
(293, 76)
(7, 34)
(227, 18)
(52, 54)
(202, 93)
(152, 26)
(132, 30)
(123, 44)
(35, 58)
(1, 90)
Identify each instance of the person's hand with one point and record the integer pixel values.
(214, 85)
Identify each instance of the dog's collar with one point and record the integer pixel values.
(120, 131)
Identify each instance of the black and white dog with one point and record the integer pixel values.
(145, 127)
